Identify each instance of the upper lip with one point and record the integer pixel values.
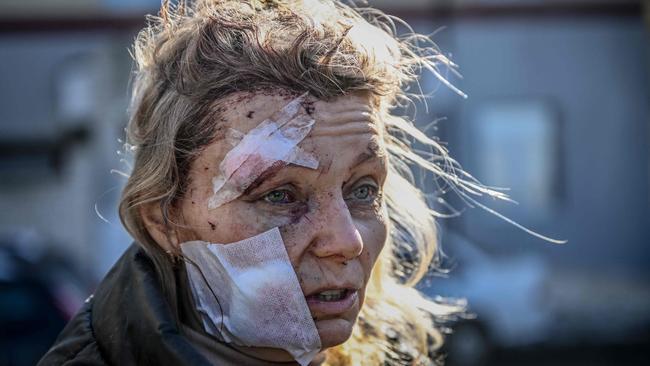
(345, 286)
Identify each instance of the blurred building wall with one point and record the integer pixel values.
(63, 111)
(591, 76)
(558, 94)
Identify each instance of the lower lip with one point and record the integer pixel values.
(333, 307)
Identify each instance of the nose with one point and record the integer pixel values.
(337, 235)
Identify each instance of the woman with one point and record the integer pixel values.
(271, 196)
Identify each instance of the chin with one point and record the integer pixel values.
(333, 332)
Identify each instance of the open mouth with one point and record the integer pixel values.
(330, 295)
(332, 302)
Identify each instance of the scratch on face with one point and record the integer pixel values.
(326, 168)
(373, 150)
(308, 219)
(298, 212)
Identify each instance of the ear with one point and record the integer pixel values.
(159, 229)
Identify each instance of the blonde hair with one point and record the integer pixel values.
(193, 54)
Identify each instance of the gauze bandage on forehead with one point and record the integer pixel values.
(248, 294)
(274, 141)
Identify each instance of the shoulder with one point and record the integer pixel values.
(128, 321)
(76, 345)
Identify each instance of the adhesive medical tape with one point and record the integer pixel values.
(274, 140)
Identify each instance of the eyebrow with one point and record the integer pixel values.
(269, 173)
(373, 151)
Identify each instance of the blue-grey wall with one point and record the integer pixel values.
(592, 74)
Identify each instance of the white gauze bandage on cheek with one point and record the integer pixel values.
(248, 294)
(274, 140)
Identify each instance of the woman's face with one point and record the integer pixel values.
(331, 218)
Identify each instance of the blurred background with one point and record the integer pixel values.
(558, 111)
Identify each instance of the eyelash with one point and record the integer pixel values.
(373, 194)
(287, 192)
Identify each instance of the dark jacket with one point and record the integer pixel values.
(129, 321)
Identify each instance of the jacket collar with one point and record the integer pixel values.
(134, 322)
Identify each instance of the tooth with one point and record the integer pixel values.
(331, 295)
(331, 292)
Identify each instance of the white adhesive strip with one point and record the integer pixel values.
(274, 140)
(247, 293)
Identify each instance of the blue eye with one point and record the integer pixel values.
(365, 192)
(279, 196)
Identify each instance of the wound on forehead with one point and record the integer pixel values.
(262, 151)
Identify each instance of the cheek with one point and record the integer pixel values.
(239, 220)
(229, 223)
(297, 230)
(374, 236)
(234, 221)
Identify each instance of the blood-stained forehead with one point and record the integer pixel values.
(264, 132)
(244, 111)
(273, 143)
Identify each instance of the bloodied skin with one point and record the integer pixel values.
(332, 219)
(274, 140)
